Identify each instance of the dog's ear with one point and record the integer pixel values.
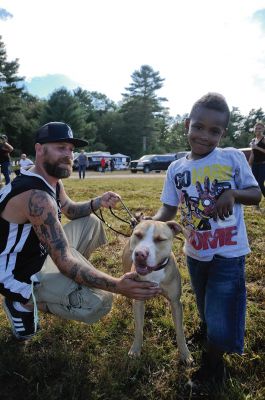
(175, 227)
(139, 216)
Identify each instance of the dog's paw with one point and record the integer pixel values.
(134, 351)
(186, 358)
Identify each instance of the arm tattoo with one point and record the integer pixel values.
(50, 221)
(79, 210)
(35, 201)
(87, 278)
(91, 280)
(48, 229)
(73, 272)
(50, 233)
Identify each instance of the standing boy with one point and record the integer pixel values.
(209, 186)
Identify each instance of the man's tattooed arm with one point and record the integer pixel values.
(86, 277)
(78, 210)
(44, 219)
(43, 216)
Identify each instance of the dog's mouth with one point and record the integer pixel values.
(144, 269)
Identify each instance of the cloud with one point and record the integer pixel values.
(259, 82)
(259, 16)
(4, 15)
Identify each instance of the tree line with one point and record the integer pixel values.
(139, 124)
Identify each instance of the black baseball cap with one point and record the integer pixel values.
(57, 132)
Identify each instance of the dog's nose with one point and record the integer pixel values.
(141, 255)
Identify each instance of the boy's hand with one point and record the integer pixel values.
(225, 204)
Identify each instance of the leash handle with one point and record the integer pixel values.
(127, 209)
(101, 218)
(133, 221)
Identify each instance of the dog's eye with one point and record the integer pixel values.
(160, 238)
(138, 234)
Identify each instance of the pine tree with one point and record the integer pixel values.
(11, 88)
(141, 109)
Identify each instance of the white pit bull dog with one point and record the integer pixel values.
(149, 253)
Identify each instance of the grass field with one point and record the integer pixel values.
(73, 361)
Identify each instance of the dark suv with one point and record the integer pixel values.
(93, 165)
(154, 162)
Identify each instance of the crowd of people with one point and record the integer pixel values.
(107, 164)
(61, 280)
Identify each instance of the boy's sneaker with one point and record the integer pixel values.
(22, 323)
(210, 373)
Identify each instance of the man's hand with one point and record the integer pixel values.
(129, 286)
(109, 199)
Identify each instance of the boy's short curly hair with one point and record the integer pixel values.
(213, 101)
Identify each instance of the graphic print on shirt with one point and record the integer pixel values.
(198, 207)
(198, 210)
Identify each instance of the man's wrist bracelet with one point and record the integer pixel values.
(95, 203)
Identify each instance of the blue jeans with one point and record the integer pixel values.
(220, 290)
(82, 171)
(5, 168)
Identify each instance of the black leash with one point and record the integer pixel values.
(133, 222)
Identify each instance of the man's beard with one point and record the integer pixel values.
(55, 170)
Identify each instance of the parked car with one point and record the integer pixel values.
(154, 162)
(92, 164)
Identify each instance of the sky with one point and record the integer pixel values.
(197, 46)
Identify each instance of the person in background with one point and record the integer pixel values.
(5, 159)
(209, 186)
(82, 164)
(103, 164)
(257, 156)
(25, 163)
(112, 164)
(43, 264)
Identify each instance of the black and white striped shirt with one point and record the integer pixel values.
(21, 253)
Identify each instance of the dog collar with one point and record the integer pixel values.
(160, 266)
(148, 270)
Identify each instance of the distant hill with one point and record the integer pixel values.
(43, 86)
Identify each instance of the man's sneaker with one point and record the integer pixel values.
(22, 323)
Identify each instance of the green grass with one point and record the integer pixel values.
(73, 361)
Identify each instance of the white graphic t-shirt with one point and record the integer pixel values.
(194, 186)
